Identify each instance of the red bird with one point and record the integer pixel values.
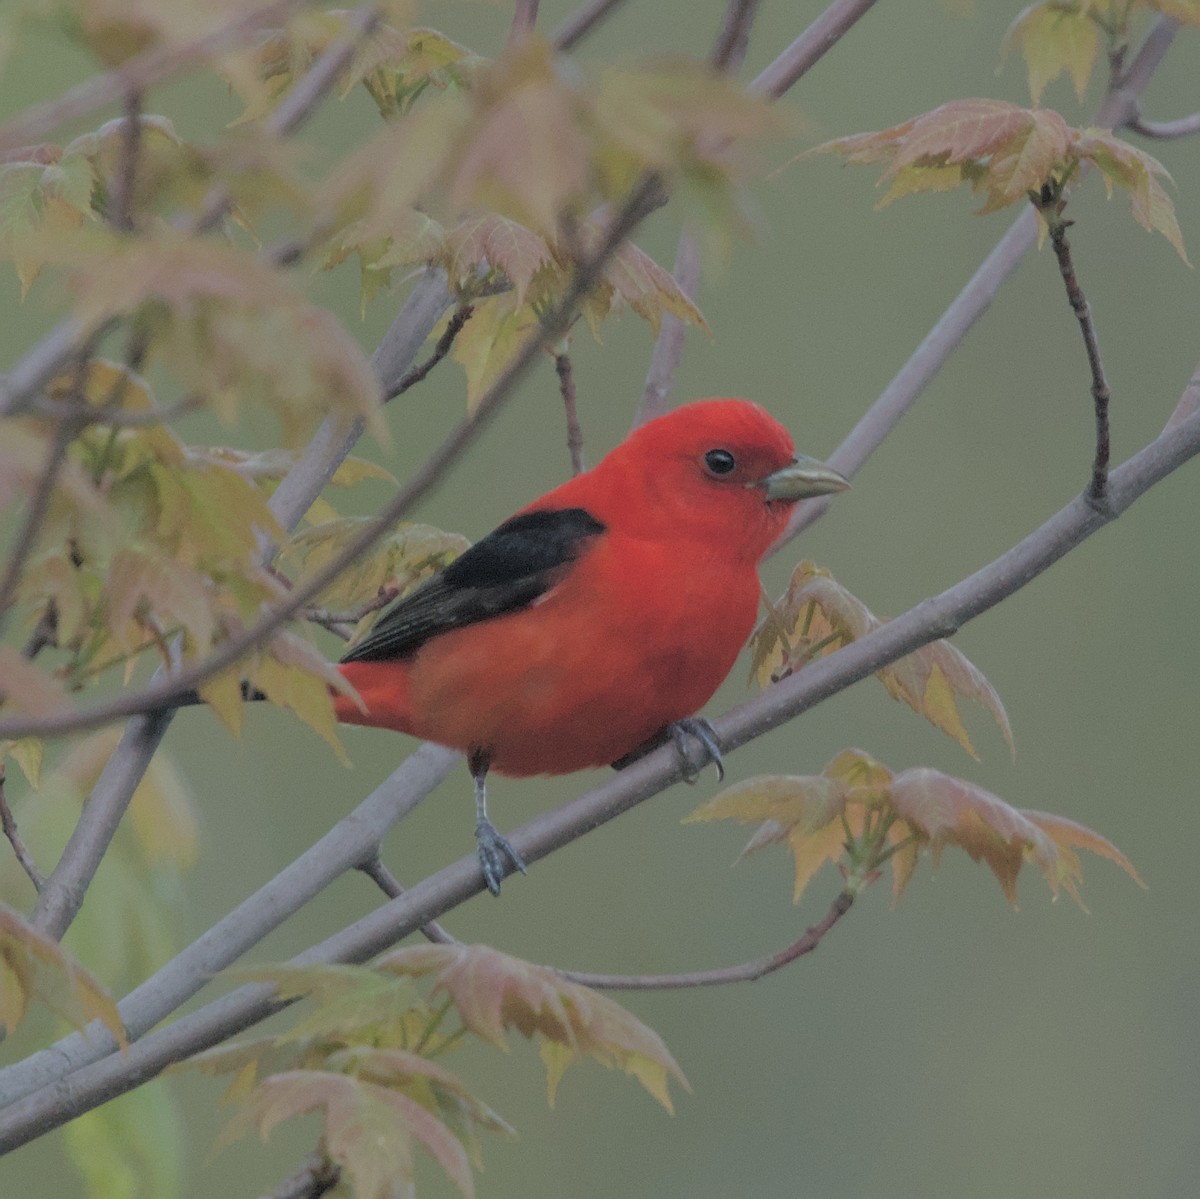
(597, 620)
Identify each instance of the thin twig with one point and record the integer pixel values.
(935, 617)
(45, 632)
(111, 1072)
(816, 41)
(453, 328)
(524, 20)
(124, 184)
(92, 414)
(566, 387)
(318, 1176)
(159, 693)
(9, 827)
(734, 37)
(142, 72)
(26, 536)
(391, 886)
(581, 23)
(744, 972)
(342, 623)
(1097, 488)
(1164, 130)
(973, 300)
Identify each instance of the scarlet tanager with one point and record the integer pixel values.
(597, 620)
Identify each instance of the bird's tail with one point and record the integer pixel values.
(384, 690)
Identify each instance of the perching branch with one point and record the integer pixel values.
(938, 616)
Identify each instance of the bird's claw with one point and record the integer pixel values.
(497, 857)
(700, 730)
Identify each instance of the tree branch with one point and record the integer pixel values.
(524, 20)
(582, 22)
(972, 302)
(749, 971)
(1101, 394)
(734, 37)
(26, 536)
(812, 45)
(101, 815)
(444, 343)
(140, 73)
(161, 693)
(121, 195)
(13, 834)
(1165, 130)
(566, 387)
(938, 616)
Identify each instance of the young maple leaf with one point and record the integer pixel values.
(858, 809)
(1009, 154)
(942, 810)
(487, 242)
(368, 1130)
(523, 154)
(494, 992)
(33, 966)
(817, 614)
(1056, 37)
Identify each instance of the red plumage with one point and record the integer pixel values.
(635, 625)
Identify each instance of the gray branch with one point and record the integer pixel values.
(938, 616)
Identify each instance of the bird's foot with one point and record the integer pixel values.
(497, 857)
(678, 733)
(700, 730)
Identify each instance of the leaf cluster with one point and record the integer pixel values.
(1009, 154)
(361, 1055)
(817, 615)
(861, 814)
(1057, 37)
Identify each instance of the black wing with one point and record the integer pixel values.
(510, 568)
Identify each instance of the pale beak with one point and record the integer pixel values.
(801, 479)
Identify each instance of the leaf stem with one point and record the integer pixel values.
(9, 826)
(748, 971)
(566, 387)
(1101, 395)
(453, 328)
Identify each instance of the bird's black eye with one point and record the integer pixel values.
(719, 462)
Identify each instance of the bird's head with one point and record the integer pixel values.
(722, 469)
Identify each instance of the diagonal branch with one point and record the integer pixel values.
(783, 73)
(142, 72)
(580, 23)
(161, 693)
(973, 300)
(938, 616)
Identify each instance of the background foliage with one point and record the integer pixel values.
(949, 1046)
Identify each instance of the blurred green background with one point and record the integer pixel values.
(950, 1047)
